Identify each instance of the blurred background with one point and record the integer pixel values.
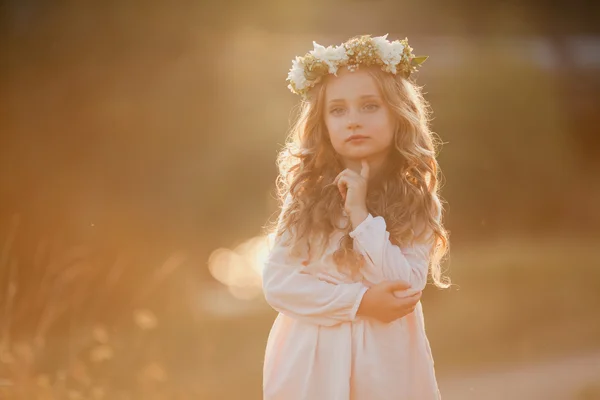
(137, 170)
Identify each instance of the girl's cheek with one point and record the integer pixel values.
(338, 132)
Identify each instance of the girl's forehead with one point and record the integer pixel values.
(350, 85)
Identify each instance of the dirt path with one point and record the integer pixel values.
(560, 379)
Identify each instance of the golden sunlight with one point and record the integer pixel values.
(240, 269)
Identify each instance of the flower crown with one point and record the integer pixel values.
(394, 57)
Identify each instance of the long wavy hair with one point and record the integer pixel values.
(404, 192)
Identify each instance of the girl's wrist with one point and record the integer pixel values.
(357, 216)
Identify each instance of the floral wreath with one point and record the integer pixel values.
(395, 57)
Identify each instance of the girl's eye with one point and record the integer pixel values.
(337, 111)
(371, 107)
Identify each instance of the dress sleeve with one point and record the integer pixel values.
(386, 261)
(295, 293)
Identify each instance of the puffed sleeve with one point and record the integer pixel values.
(386, 261)
(295, 293)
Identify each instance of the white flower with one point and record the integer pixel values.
(296, 74)
(389, 52)
(331, 56)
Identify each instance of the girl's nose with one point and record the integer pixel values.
(353, 124)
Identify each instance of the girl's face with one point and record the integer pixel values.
(359, 123)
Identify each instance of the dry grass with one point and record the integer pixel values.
(76, 327)
(78, 324)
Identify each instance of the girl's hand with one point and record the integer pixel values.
(381, 303)
(353, 188)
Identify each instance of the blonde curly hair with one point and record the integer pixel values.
(404, 192)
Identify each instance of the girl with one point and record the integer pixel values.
(359, 230)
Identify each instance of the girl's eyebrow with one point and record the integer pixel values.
(364, 96)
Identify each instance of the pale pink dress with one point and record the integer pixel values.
(318, 349)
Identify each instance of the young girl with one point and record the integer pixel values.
(359, 230)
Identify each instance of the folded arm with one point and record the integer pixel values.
(293, 292)
(386, 261)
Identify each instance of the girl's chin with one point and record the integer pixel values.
(358, 155)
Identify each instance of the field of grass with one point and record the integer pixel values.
(81, 329)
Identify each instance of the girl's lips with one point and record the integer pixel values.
(356, 138)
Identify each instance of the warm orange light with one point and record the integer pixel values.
(240, 269)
